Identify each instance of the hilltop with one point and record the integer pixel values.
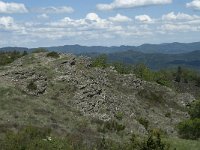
(67, 94)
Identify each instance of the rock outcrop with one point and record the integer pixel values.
(66, 89)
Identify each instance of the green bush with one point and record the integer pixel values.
(143, 72)
(154, 143)
(144, 122)
(53, 55)
(194, 110)
(122, 68)
(168, 114)
(135, 143)
(100, 61)
(32, 86)
(119, 115)
(9, 57)
(111, 125)
(189, 129)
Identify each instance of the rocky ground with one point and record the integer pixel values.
(68, 95)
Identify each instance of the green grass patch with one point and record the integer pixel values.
(181, 144)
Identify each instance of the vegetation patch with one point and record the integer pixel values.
(119, 115)
(151, 96)
(112, 126)
(39, 50)
(32, 138)
(32, 86)
(190, 129)
(100, 61)
(168, 115)
(53, 55)
(9, 57)
(144, 122)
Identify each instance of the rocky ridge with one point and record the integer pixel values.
(66, 93)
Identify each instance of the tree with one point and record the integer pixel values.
(178, 74)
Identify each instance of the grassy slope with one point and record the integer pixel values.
(181, 144)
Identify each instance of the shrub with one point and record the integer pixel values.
(53, 55)
(32, 86)
(154, 143)
(168, 114)
(194, 110)
(100, 61)
(122, 68)
(164, 78)
(156, 131)
(189, 129)
(144, 122)
(111, 125)
(9, 57)
(152, 96)
(143, 72)
(119, 115)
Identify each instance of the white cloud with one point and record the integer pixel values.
(7, 23)
(179, 16)
(55, 10)
(179, 28)
(43, 16)
(94, 29)
(91, 27)
(120, 18)
(195, 4)
(144, 19)
(131, 4)
(10, 8)
(180, 22)
(93, 17)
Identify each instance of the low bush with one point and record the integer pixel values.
(119, 115)
(32, 86)
(154, 143)
(122, 68)
(194, 110)
(189, 129)
(111, 125)
(100, 61)
(144, 122)
(168, 115)
(53, 55)
(9, 57)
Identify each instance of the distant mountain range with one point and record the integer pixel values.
(154, 56)
(158, 61)
(7, 49)
(167, 48)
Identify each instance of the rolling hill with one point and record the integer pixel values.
(166, 48)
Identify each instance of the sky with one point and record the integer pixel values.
(38, 23)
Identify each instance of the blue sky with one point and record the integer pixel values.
(35, 23)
